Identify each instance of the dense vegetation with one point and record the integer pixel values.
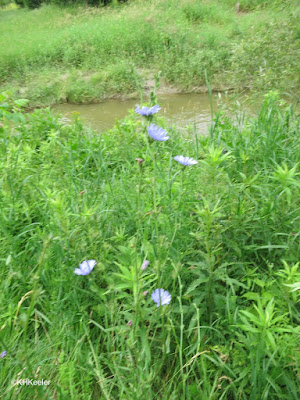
(38, 3)
(221, 236)
(53, 54)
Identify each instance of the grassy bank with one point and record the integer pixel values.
(54, 55)
(222, 236)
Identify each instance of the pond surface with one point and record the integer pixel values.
(179, 109)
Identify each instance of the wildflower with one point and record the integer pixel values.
(185, 160)
(85, 267)
(146, 111)
(145, 265)
(129, 323)
(145, 293)
(139, 160)
(3, 354)
(161, 297)
(157, 133)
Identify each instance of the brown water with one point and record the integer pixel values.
(179, 109)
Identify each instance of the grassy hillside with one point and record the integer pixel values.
(76, 54)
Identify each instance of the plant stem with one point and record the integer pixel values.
(181, 336)
(210, 280)
(155, 210)
(34, 290)
(211, 106)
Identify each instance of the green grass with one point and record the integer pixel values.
(53, 54)
(221, 236)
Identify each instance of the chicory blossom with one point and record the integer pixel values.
(157, 133)
(145, 265)
(139, 160)
(85, 267)
(185, 160)
(146, 111)
(161, 297)
(3, 354)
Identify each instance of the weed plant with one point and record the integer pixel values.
(221, 236)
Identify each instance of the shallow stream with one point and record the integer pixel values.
(179, 109)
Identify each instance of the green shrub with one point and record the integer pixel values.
(36, 3)
(4, 3)
(33, 3)
(81, 2)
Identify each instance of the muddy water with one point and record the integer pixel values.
(178, 109)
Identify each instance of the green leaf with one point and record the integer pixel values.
(196, 283)
(295, 286)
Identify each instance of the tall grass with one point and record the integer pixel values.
(223, 239)
(57, 54)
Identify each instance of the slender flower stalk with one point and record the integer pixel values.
(210, 298)
(139, 219)
(184, 161)
(151, 149)
(157, 134)
(155, 206)
(181, 335)
(182, 188)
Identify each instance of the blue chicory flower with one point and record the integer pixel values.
(85, 267)
(146, 111)
(3, 354)
(157, 133)
(161, 297)
(145, 265)
(185, 160)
